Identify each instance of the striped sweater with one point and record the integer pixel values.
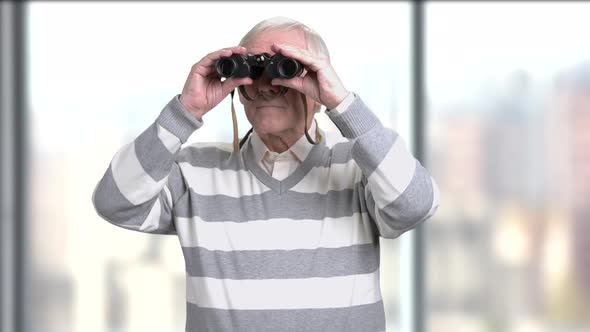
(301, 254)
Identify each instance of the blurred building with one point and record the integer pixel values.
(498, 222)
(458, 240)
(573, 86)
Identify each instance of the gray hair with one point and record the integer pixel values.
(314, 41)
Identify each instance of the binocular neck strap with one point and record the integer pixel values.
(318, 135)
(244, 93)
(235, 122)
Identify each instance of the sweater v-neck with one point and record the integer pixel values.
(312, 160)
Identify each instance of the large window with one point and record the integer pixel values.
(100, 73)
(508, 132)
(506, 137)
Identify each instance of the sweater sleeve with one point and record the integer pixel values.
(399, 192)
(143, 181)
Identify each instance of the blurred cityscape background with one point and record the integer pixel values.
(507, 137)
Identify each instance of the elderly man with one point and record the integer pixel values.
(280, 233)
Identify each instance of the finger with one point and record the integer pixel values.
(307, 58)
(212, 57)
(232, 83)
(293, 83)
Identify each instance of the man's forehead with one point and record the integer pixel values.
(263, 41)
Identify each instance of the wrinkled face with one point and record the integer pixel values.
(269, 112)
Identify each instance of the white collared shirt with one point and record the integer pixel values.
(281, 165)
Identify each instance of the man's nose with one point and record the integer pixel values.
(264, 86)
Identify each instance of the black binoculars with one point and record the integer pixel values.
(254, 65)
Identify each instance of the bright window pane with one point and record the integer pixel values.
(100, 73)
(508, 132)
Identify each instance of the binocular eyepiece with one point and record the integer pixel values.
(254, 65)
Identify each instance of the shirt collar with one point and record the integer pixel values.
(300, 149)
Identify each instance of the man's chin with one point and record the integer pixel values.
(268, 130)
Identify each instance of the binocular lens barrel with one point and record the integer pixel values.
(253, 66)
(289, 68)
(226, 67)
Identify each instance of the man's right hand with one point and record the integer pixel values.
(204, 89)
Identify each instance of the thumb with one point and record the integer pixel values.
(230, 84)
(293, 83)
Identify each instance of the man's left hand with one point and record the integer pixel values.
(319, 83)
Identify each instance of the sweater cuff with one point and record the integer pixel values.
(177, 120)
(357, 120)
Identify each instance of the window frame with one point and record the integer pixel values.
(13, 174)
(14, 153)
